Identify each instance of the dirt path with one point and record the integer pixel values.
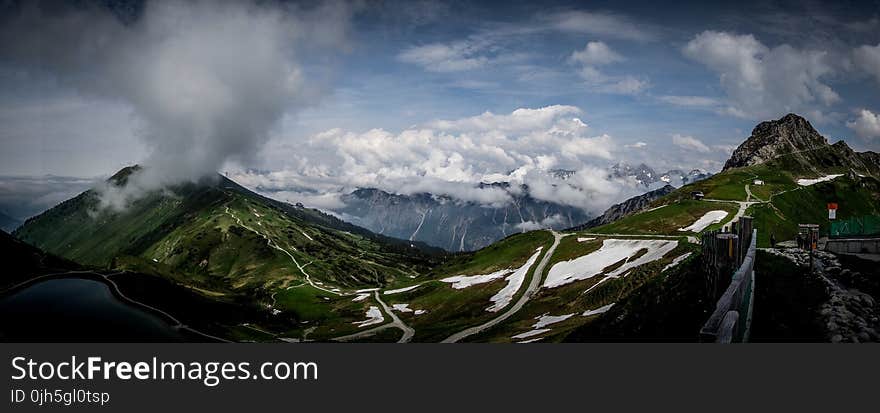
(396, 322)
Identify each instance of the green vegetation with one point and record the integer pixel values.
(574, 299)
(671, 307)
(448, 309)
(787, 301)
(808, 205)
(666, 220)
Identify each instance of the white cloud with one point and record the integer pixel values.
(690, 101)
(636, 145)
(867, 58)
(595, 54)
(689, 143)
(452, 157)
(446, 57)
(866, 125)
(548, 222)
(206, 81)
(761, 81)
(601, 24)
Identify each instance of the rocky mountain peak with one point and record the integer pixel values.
(775, 138)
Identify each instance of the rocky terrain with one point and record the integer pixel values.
(809, 151)
(849, 314)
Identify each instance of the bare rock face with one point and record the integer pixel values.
(772, 139)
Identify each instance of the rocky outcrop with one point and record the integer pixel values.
(626, 208)
(772, 139)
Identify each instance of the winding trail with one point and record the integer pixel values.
(408, 332)
(534, 285)
(396, 322)
(272, 244)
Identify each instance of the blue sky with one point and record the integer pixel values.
(675, 86)
(517, 56)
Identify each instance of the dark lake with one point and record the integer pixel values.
(78, 310)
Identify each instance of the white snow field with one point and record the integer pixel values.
(374, 316)
(546, 320)
(403, 308)
(808, 182)
(514, 282)
(709, 218)
(612, 251)
(530, 333)
(464, 281)
(676, 261)
(599, 310)
(402, 290)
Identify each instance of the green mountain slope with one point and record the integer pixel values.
(220, 237)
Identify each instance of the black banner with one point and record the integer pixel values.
(387, 377)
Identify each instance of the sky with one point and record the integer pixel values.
(313, 99)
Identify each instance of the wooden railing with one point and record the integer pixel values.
(730, 320)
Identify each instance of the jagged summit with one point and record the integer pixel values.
(771, 139)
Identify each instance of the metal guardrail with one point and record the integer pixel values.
(729, 322)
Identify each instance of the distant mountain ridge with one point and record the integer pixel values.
(8, 223)
(453, 224)
(648, 177)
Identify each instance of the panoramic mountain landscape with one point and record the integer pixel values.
(632, 273)
(287, 171)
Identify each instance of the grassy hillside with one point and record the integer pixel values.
(808, 205)
(667, 219)
(216, 236)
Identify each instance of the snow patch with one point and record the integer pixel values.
(546, 320)
(420, 312)
(530, 333)
(403, 308)
(374, 316)
(599, 310)
(583, 239)
(532, 340)
(306, 235)
(676, 261)
(612, 251)
(808, 182)
(402, 290)
(361, 297)
(709, 218)
(367, 290)
(514, 282)
(464, 281)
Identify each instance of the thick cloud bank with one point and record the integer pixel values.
(452, 158)
(206, 79)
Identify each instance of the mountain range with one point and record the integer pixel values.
(316, 277)
(453, 224)
(646, 176)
